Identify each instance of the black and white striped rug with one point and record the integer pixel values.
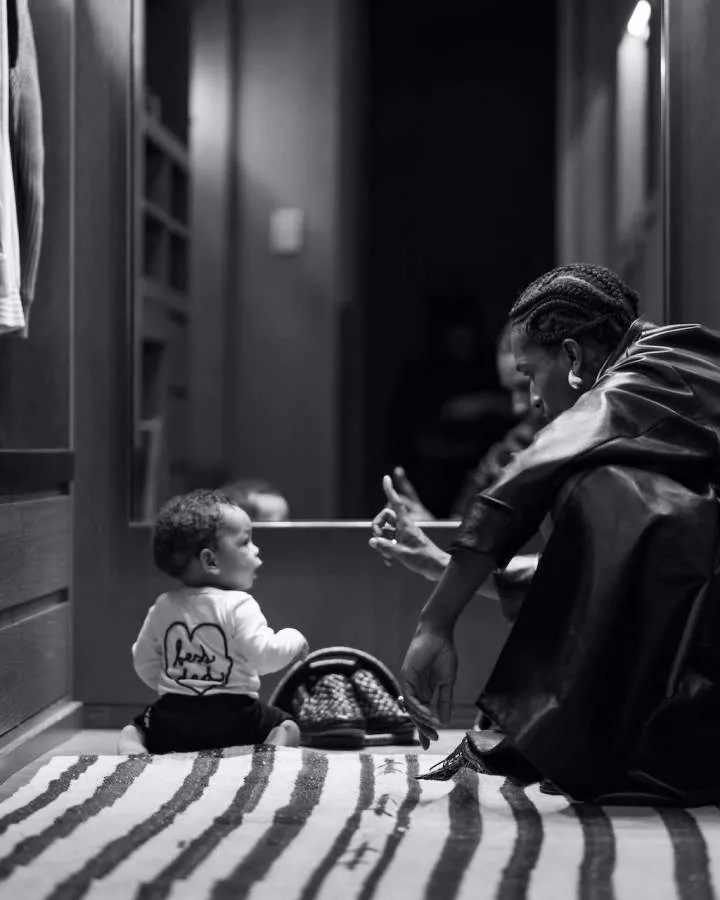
(287, 824)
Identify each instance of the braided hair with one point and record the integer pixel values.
(574, 300)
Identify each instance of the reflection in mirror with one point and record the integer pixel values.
(161, 311)
(335, 205)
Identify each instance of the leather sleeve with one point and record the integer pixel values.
(642, 413)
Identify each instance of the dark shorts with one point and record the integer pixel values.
(184, 724)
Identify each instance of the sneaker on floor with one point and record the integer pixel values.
(383, 714)
(329, 715)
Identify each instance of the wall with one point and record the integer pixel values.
(35, 409)
(694, 160)
(589, 184)
(102, 387)
(586, 90)
(284, 333)
(212, 123)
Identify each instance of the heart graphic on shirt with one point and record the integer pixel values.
(197, 659)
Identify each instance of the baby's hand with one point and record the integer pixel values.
(303, 652)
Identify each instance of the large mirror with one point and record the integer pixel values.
(335, 203)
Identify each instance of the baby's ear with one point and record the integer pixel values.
(207, 559)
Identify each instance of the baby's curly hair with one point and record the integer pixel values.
(185, 526)
(575, 300)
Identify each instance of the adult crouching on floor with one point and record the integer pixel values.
(609, 683)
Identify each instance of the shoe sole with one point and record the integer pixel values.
(378, 738)
(334, 737)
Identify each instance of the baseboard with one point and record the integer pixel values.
(97, 715)
(39, 734)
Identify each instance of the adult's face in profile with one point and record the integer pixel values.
(547, 369)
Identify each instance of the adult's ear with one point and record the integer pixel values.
(574, 352)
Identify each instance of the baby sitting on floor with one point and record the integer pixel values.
(204, 645)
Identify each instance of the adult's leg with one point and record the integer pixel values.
(604, 632)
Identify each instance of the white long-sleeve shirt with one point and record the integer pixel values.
(197, 640)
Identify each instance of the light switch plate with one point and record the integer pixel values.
(286, 230)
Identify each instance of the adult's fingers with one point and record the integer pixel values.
(422, 721)
(404, 484)
(377, 523)
(416, 696)
(424, 736)
(426, 732)
(394, 499)
(420, 712)
(386, 517)
(380, 545)
(389, 549)
(444, 702)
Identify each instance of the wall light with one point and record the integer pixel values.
(639, 23)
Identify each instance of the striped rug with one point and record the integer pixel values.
(287, 824)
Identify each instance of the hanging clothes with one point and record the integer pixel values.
(12, 317)
(26, 146)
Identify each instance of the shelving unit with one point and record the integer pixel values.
(162, 308)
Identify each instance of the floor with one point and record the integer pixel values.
(103, 742)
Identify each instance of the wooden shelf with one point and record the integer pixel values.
(158, 213)
(166, 141)
(165, 296)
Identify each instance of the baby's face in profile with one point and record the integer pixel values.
(237, 558)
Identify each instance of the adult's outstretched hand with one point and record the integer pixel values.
(397, 538)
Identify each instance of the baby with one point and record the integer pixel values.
(204, 645)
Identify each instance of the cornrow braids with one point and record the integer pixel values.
(574, 300)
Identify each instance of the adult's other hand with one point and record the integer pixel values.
(428, 679)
